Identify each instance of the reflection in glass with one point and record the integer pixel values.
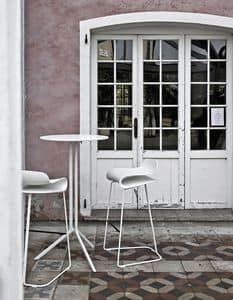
(124, 72)
(198, 71)
(151, 94)
(151, 49)
(198, 117)
(169, 94)
(124, 117)
(105, 95)
(151, 116)
(198, 139)
(198, 94)
(170, 49)
(124, 140)
(218, 49)
(124, 50)
(105, 117)
(124, 94)
(151, 71)
(199, 49)
(217, 139)
(169, 139)
(169, 117)
(106, 50)
(105, 72)
(217, 71)
(217, 94)
(170, 72)
(106, 144)
(151, 139)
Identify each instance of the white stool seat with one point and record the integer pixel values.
(53, 186)
(131, 178)
(39, 183)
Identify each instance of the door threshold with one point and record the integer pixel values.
(166, 215)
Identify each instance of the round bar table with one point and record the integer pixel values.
(73, 140)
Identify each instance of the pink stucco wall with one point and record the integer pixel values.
(52, 71)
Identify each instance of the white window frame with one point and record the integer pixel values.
(209, 154)
(87, 28)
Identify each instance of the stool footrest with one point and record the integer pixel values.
(139, 262)
(50, 247)
(48, 283)
(119, 248)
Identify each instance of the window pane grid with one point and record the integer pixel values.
(164, 82)
(206, 105)
(160, 105)
(115, 106)
(115, 117)
(162, 60)
(167, 106)
(211, 136)
(115, 83)
(120, 107)
(205, 60)
(163, 136)
(166, 128)
(209, 82)
(115, 60)
(208, 100)
(119, 128)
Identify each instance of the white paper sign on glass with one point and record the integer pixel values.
(217, 116)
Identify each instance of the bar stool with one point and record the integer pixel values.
(39, 183)
(130, 178)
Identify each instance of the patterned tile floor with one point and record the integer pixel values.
(197, 264)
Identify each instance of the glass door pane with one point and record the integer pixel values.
(160, 94)
(114, 93)
(208, 94)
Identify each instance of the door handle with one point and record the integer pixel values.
(135, 127)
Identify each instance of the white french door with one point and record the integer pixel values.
(115, 107)
(161, 116)
(208, 125)
(164, 98)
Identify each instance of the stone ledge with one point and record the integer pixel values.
(166, 215)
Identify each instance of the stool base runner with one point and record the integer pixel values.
(119, 248)
(48, 249)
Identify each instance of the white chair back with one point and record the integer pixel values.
(31, 178)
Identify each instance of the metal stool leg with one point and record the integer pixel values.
(27, 238)
(107, 216)
(121, 224)
(26, 245)
(151, 222)
(67, 234)
(120, 235)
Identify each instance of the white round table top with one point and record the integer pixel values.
(73, 137)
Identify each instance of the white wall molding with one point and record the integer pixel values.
(11, 217)
(158, 17)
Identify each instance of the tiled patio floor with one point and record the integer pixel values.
(197, 264)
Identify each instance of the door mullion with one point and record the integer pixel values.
(139, 92)
(181, 121)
